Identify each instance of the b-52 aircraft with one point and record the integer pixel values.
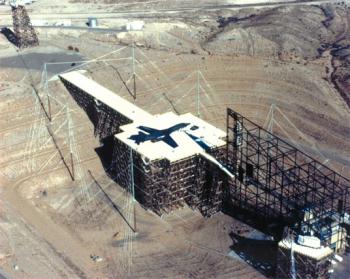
(155, 135)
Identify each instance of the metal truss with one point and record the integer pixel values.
(276, 181)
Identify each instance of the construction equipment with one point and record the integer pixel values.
(23, 29)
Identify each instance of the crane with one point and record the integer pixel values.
(23, 29)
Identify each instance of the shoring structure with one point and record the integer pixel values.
(275, 181)
(106, 121)
(24, 31)
(160, 185)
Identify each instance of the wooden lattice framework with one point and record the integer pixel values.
(160, 185)
(23, 29)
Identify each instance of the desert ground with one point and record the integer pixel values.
(284, 65)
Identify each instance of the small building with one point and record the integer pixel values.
(135, 25)
(40, 22)
(63, 23)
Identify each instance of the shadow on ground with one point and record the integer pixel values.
(261, 254)
(10, 36)
(58, 60)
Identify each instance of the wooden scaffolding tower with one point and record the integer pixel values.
(24, 31)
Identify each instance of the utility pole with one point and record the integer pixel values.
(198, 92)
(133, 186)
(270, 124)
(292, 259)
(133, 68)
(70, 142)
(46, 88)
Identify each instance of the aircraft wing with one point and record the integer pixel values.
(140, 137)
(199, 141)
(147, 129)
(170, 141)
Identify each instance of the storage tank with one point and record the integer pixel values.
(92, 22)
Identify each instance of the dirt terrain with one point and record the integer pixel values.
(292, 60)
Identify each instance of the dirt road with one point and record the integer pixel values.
(157, 12)
(73, 253)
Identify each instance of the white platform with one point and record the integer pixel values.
(106, 96)
(187, 147)
(314, 253)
